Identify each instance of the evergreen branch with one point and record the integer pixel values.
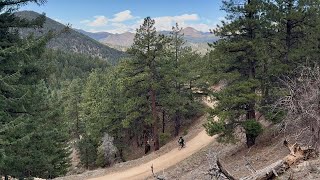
(20, 2)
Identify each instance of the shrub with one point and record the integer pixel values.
(106, 151)
(252, 127)
(164, 137)
(88, 152)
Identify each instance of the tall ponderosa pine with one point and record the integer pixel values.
(237, 61)
(142, 77)
(101, 115)
(178, 72)
(32, 141)
(177, 43)
(290, 39)
(292, 20)
(72, 104)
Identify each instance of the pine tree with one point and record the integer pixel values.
(292, 21)
(72, 104)
(32, 139)
(101, 115)
(290, 40)
(142, 77)
(178, 71)
(237, 62)
(177, 42)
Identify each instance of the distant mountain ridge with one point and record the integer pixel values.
(73, 41)
(196, 39)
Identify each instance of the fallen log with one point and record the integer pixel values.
(297, 153)
(268, 172)
(224, 170)
(216, 170)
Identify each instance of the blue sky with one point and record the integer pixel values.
(118, 16)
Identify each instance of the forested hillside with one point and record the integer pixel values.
(71, 40)
(63, 93)
(262, 43)
(62, 97)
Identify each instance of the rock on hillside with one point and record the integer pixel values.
(124, 39)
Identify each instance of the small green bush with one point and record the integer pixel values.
(253, 127)
(164, 137)
(100, 161)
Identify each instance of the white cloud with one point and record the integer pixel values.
(119, 28)
(84, 21)
(122, 16)
(162, 23)
(99, 21)
(166, 22)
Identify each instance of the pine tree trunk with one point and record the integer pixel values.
(121, 155)
(87, 159)
(155, 120)
(289, 27)
(251, 114)
(251, 140)
(77, 123)
(137, 140)
(177, 124)
(163, 120)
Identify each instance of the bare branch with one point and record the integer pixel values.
(302, 102)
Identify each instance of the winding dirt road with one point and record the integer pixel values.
(164, 161)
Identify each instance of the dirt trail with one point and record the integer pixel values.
(164, 161)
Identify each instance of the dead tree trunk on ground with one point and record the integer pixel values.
(216, 170)
(297, 153)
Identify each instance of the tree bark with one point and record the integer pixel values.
(77, 122)
(163, 120)
(289, 27)
(224, 171)
(155, 120)
(272, 171)
(251, 114)
(137, 140)
(251, 140)
(177, 124)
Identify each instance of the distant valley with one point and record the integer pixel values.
(197, 40)
(105, 45)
